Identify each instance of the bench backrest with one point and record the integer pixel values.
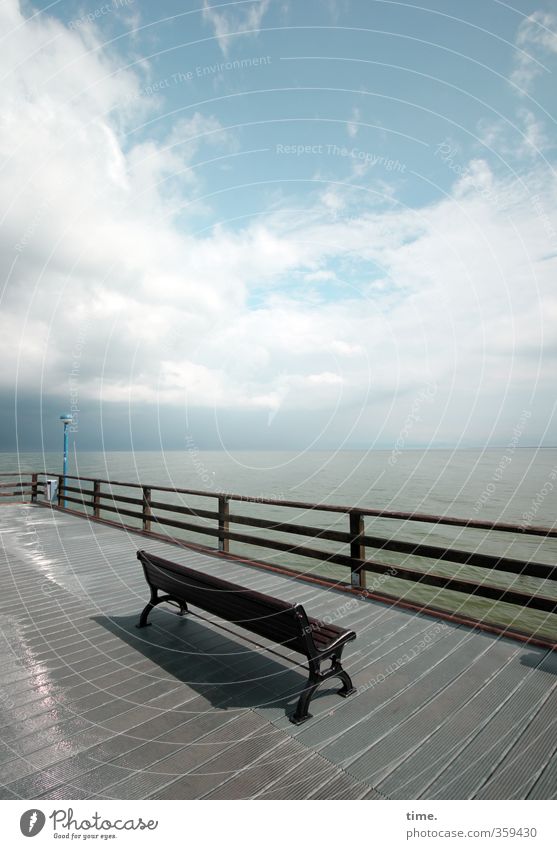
(268, 617)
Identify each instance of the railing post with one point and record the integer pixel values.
(224, 512)
(97, 499)
(357, 549)
(61, 481)
(147, 513)
(34, 480)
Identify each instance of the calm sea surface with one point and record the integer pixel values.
(497, 484)
(493, 484)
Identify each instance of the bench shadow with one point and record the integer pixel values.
(227, 673)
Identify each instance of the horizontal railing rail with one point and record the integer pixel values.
(470, 573)
(20, 488)
(331, 508)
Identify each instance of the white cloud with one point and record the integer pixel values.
(246, 19)
(536, 139)
(537, 34)
(460, 293)
(527, 140)
(352, 126)
(320, 275)
(333, 200)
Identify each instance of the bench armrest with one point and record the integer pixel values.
(341, 640)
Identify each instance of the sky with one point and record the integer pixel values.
(273, 224)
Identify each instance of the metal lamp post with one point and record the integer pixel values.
(67, 419)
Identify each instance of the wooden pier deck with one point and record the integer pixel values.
(92, 708)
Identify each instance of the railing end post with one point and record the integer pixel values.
(34, 485)
(357, 549)
(224, 513)
(96, 499)
(146, 512)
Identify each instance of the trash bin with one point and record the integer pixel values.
(51, 489)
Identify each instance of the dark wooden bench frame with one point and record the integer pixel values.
(317, 640)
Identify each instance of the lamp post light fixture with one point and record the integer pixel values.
(67, 419)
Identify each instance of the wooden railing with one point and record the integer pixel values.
(21, 485)
(491, 578)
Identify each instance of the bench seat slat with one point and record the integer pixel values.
(265, 615)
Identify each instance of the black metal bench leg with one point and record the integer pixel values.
(347, 688)
(336, 671)
(316, 677)
(144, 614)
(153, 601)
(301, 714)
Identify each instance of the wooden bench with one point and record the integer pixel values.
(279, 621)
